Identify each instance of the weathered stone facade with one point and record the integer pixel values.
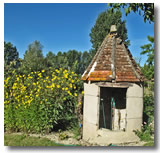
(91, 111)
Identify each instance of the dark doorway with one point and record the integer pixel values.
(112, 107)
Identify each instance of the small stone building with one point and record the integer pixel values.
(113, 94)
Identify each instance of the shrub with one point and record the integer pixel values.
(63, 135)
(38, 101)
(148, 108)
(146, 132)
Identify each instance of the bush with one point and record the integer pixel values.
(146, 133)
(38, 101)
(148, 108)
(63, 135)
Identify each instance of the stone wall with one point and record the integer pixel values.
(90, 111)
(134, 107)
(134, 110)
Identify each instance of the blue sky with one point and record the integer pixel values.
(61, 27)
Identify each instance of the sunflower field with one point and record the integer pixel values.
(37, 101)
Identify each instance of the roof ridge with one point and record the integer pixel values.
(113, 58)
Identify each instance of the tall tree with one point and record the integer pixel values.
(74, 58)
(50, 59)
(86, 58)
(61, 60)
(102, 27)
(147, 9)
(148, 50)
(33, 57)
(10, 53)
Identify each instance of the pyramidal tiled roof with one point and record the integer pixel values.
(113, 61)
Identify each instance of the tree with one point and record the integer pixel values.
(61, 60)
(146, 8)
(50, 59)
(74, 58)
(148, 49)
(102, 27)
(33, 57)
(85, 60)
(10, 53)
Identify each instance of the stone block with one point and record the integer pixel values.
(90, 111)
(91, 89)
(135, 91)
(134, 124)
(134, 107)
(116, 137)
(89, 131)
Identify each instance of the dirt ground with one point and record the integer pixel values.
(70, 140)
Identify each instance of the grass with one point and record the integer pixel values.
(150, 143)
(24, 140)
(146, 135)
(76, 131)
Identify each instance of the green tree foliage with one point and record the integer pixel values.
(74, 59)
(71, 60)
(50, 59)
(33, 57)
(148, 49)
(10, 53)
(147, 9)
(148, 108)
(85, 60)
(102, 27)
(11, 59)
(61, 60)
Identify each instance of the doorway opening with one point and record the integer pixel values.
(112, 108)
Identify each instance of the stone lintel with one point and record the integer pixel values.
(114, 85)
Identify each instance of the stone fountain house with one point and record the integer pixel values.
(113, 94)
